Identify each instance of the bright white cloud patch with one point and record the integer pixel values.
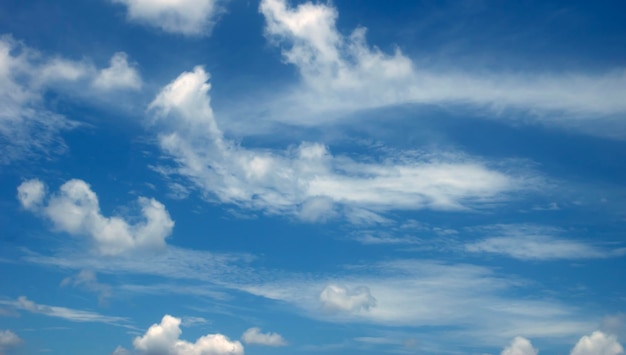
(598, 343)
(307, 180)
(119, 75)
(520, 346)
(343, 299)
(189, 17)
(8, 340)
(256, 336)
(344, 73)
(31, 194)
(75, 209)
(163, 339)
(536, 243)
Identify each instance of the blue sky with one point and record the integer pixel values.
(285, 177)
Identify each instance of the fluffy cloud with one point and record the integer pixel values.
(520, 346)
(189, 17)
(163, 339)
(75, 209)
(343, 299)
(8, 340)
(529, 242)
(255, 336)
(308, 180)
(119, 75)
(597, 343)
(343, 73)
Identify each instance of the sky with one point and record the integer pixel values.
(209, 177)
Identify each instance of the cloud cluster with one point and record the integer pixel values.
(343, 299)
(27, 127)
(188, 17)
(257, 337)
(164, 339)
(598, 343)
(308, 181)
(75, 209)
(344, 73)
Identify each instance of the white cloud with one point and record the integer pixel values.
(119, 75)
(75, 209)
(308, 181)
(478, 304)
(255, 336)
(597, 343)
(189, 17)
(343, 299)
(520, 346)
(529, 242)
(344, 73)
(27, 127)
(163, 339)
(74, 315)
(31, 194)
(9, 340)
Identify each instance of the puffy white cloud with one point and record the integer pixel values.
(163, 339)
(189, 17)
(255, 336)
(520, 346)
(529, 242)
(75, 209)
(31, 194)
(308, 181)
(343, 73)
(119, 75)
(344, 299)
(597, 343)
(9, 340)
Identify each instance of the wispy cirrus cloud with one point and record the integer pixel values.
(343, 73)
(309, 182)
(533, 242)
(28, 127)
(73, 315)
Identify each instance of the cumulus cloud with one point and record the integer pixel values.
(119, 75)
(598, 343)
(188, 17)
(8, 340)
(75, 209)
(520, 346)
(343, 299)
(529, 242)
(255, 336)
(164, 339)
(308, 181)
(344, 73)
